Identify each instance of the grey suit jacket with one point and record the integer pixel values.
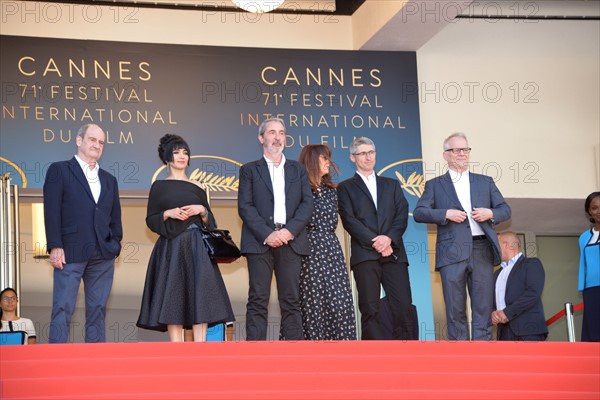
(256, 206)
(454, 241)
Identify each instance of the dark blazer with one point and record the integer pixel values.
(524, 308)
(364, 222)
(256, 202)
(454, 241)
(73, 220)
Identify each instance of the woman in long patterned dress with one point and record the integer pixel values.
(184, 287)
(325, 293)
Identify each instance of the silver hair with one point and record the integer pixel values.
(84, 128)
(263, 126)
(360, 141)
(457, 134)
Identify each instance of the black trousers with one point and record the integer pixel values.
(286, 265)
(590, 330)
(393, 276)
(505, 333)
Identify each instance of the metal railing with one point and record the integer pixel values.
(568, 312)
(10, 261)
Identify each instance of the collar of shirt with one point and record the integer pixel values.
(456, 176)
(503, 280)
(371, 183)
(277, 174)
(595, 238)
(91, 175)
(511, 262)
(86, 167)
(367, 178)
(462, 185)
(271, 164)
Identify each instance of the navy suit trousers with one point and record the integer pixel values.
(97, 274)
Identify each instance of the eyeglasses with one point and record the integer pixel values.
(6, 299)
(465, 150)
(365, 153)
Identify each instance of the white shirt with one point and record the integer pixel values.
(91, 176)
(463, 191)
(371, 182)
(278, 180)
(21, 324)
(502, 279)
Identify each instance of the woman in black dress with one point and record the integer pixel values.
(184, 287)
(325, 294)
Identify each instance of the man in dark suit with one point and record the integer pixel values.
(275, 203)
(82, 215)
(519, 311)
(464, 206)
(375, 214)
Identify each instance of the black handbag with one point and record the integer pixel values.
(220, 246)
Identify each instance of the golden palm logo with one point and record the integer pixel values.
(11, 165)
(414, 185)
(216, 182)
(409, 175)
(219, 174)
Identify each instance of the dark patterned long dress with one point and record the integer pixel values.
(183, 285)
(325, 293)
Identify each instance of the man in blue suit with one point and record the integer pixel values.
(82, 215)
(519, 311)
(275, 203)
(464, 206)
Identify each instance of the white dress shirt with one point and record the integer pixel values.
(92, 177)
(502, 279)
(278, 180)
(463, 190)
(371, 182)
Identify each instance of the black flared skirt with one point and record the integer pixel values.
(183, 286)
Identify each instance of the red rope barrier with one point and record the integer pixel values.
(561, 314)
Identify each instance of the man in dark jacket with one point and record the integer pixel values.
(519, 311)
(82, 215)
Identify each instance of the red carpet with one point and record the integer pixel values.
(302, 370)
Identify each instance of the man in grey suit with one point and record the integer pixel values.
(275, 203)
(464, 206)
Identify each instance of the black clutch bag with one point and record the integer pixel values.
(221, 248)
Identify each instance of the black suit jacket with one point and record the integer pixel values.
(364, 222)
(523, 297)
(73, 220)
(256, 206)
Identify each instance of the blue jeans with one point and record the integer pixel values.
(97, 274)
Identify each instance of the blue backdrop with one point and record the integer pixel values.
(214, 97)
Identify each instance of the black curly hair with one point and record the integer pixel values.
(168, 144)
(588, 202)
